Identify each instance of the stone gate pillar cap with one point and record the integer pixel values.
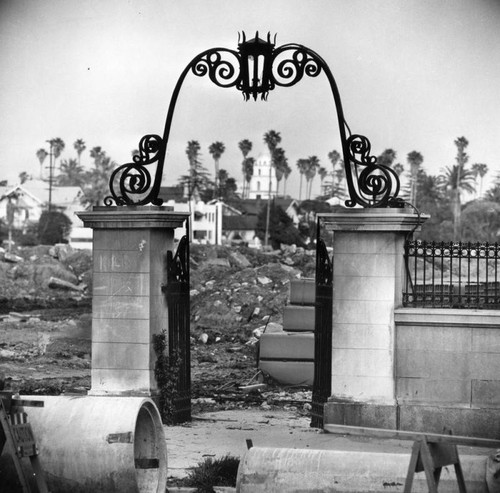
(132, 217)
(376, 219)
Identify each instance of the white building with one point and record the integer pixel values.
(31, 198)
(263, 173)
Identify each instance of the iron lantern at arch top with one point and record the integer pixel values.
(257, 68)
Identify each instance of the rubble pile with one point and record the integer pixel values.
(44, 276)
(235, 291)
(236, 295)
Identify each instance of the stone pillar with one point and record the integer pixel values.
(368, 275)
(128, 307)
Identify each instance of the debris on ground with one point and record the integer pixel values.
(237, 294)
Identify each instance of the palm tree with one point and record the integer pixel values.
(193, 152)
(97, 154)
(338, 174)
(399, 168)
(288, 170)
(280, 164)
(322, 175)
(387, 157)
(71, 173)
(79, 146)
(57, 145)
(248, 164)
(457, 179)
(216, 149)
(272, 139)
(312, 167)
(24, 177)
(415, 159)
(302, 165)
(41, 154)
(480, 169)
(95, 182)
(245, 147)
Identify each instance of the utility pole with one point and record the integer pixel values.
(268, 213)
(51, 167)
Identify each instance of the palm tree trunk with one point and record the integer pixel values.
(300, 187)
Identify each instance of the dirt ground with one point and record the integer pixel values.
(45, 331)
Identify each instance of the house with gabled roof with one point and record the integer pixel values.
(29, 199)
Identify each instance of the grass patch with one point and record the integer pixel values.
(212, 472)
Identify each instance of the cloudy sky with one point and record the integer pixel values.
(412, 75)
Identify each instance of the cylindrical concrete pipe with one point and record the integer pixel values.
(273, 470)
(100, 444)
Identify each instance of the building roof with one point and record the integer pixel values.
(254, 206)
(175, 193)
(239, 223)
(38, 190)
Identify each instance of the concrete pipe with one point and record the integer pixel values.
(100, 444)
(273, 470)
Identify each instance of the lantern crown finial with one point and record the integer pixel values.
(256, 59)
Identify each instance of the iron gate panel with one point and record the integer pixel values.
(177, 297)
(322, 384)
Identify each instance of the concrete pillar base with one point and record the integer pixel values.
(362, 414)
(480, 423)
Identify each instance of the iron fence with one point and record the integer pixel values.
(452, 275)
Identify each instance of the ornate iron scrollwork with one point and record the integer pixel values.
(376, 183)
(178, 264)
(257, 68)
(134, 179)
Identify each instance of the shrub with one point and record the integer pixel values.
(220, 471)
(53, 227)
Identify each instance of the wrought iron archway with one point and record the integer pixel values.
(257, 68)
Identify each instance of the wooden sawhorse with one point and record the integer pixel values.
(430, 453)
(17, 437)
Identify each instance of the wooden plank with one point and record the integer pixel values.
(147, 463)
(411, 435)
(27, 403)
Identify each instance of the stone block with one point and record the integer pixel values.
(287, 346)
(122, 382)
(116, 261)
(362, 265)
(362, 312)
(117, 331)
(361, 414)
(486, 340)
(302, 292)
(480, 423)
(370, 288)
(379, 390)
(121, 356)
(454, 339)
(366, 243)
(433, 364)
(289, 372)
(484, 366)
(362, 362)
(298, 318)
(121, 307)
(121, 239)
(361, 336)
(120, 284)
(486, 393)
(433, 391)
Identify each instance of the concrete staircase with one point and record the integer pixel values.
(288, 356)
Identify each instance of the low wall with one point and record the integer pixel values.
(447, 370)
(447, 375)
